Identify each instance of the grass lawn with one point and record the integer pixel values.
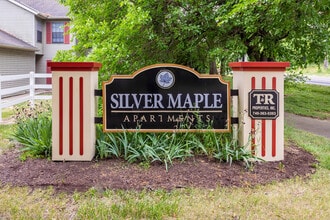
(308, 100)
(5, 143)
(317, 70)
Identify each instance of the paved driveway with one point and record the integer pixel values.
(319, 80)
(316, 126)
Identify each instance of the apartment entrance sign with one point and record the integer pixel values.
(166, 97)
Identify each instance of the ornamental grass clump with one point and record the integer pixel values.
(227, 150)
(146, 148)
(34, 130)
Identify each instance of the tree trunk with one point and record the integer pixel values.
(326, 63)
(222, 67)
(213, 67)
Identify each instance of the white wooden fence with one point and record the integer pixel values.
(29, 90)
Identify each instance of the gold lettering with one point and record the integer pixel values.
(190, 118)
(135, 118)
(126, 119)
(171, 118)
(143, 118)
(208, 118)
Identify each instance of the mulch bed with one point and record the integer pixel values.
(201, 172)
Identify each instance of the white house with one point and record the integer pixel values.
(31, 32)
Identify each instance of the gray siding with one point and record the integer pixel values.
(16, 62)
(19, 22)
(22, 22)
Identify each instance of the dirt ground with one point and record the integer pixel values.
(115, 174)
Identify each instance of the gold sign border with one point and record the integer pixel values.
(165, 65)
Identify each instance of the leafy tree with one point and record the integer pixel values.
(108, 32)
(295, 31)
(128, 34)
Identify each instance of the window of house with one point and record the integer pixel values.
(39, 32)
(58, 32)
(39, 36)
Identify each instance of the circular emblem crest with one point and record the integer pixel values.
(165, 79)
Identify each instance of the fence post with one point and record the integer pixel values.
(32, 88)
(73, 112)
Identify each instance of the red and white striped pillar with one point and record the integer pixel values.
(262, 135)
(73, 113)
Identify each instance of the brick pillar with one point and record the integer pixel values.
(74, 106)
(261, 107)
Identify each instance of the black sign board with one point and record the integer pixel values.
(166, 97)
(263, 104)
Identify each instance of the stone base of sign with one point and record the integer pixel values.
(260, 129)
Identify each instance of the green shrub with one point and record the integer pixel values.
(228, 150)
(294, 78)
(143, 147)
(34, 130)
(167, 147)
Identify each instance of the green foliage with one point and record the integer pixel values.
(294, 78)
(228, 151)
(126, 35)
(144, 147)
(167, 147)
(34, 130)
(279, 30)
(110, 32)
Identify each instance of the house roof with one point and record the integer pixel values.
(51, 9)
(9, 41)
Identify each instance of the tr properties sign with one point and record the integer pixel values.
(264, 104)
(166, 97)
